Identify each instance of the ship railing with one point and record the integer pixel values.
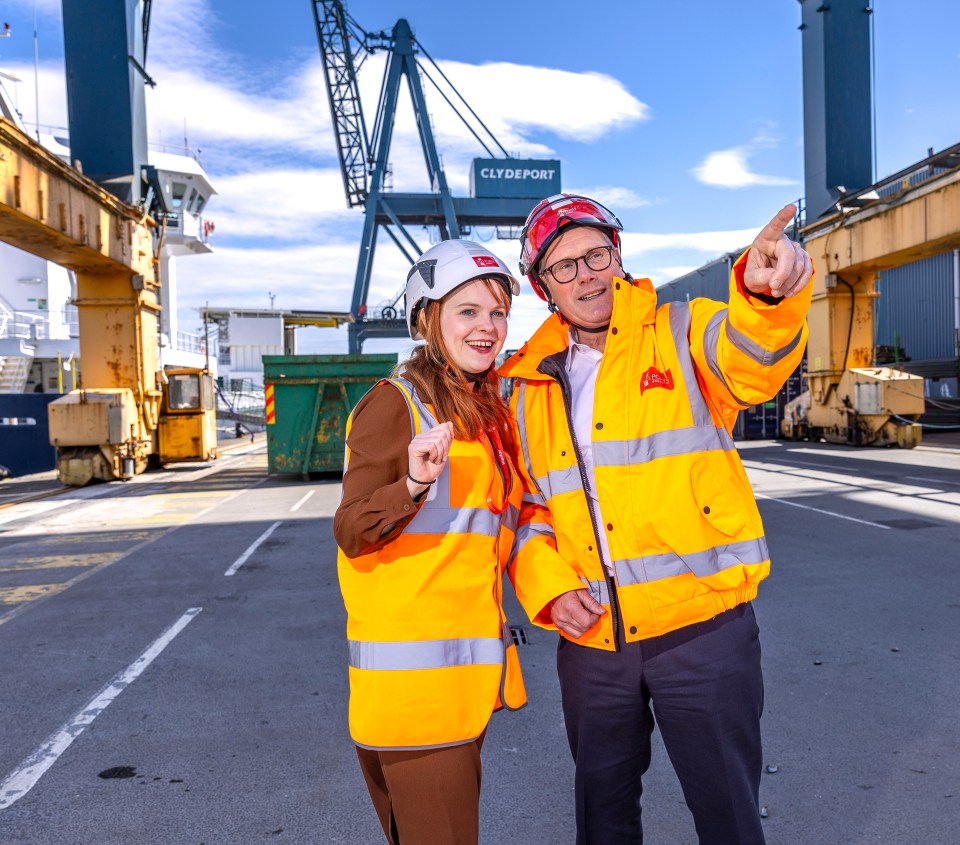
(241, 401)
(190, 342)
(183, 224)
(24, 325)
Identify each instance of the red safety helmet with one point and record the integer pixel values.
(547, 220)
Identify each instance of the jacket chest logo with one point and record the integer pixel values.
(654, 378)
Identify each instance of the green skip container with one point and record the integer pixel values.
(308, 399)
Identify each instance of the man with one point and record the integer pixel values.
(640, 540)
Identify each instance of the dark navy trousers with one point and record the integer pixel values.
(702, 686)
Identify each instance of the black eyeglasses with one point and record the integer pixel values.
(564, 271)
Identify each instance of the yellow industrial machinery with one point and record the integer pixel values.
(110, 427)
(188, 428)
(850, 401)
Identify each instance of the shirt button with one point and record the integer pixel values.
(613, 330)
(706, 509)
(618, 285)
(633, 629)
(609, 526)
(589, 548)
(606, 640)
(599, 426)
(406, 507)
(563, 454)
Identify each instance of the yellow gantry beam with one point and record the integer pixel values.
(921, 222)
(49, 209)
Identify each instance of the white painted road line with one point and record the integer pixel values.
(933, 480)
(240, 561)
(296, 507)
(820, 510)
(811, 464)
(23, 779)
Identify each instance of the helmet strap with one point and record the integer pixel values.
(596, 330)
(477, 378)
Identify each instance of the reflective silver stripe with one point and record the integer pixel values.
(599, 590)
(525, 533)
(663, 444)
(534, 499)
(559, 481)
(426, 654)
(642, 570)
(711, 343)
(444, 520)
(414, 427)
(522, 426)
(680, 327)
(428, 418)
(556, 481)
(754, 351)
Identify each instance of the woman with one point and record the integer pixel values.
(429, 510)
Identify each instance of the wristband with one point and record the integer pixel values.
(421, 483)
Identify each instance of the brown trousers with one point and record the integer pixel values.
(426, 797)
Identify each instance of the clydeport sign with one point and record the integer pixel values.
(514, 178)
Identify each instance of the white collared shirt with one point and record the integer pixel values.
(582, 366)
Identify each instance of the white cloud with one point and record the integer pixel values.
(49, 85)
(282, 205)
(44, 7)
(614, 197)
(662, 275)
(636, 244)
(731, 168)
(577, 106)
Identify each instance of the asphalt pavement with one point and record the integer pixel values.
(174, 665)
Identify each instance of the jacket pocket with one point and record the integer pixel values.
(714, 491)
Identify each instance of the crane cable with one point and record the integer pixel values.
(455, 91)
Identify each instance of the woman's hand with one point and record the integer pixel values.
(427, 454)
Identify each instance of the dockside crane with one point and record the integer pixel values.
(102, 218)
(498, 200)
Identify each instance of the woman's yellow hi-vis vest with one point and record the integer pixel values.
(431, 655)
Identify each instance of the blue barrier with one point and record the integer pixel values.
(25, 433)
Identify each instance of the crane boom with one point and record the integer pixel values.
(344, 98)
(364, 161)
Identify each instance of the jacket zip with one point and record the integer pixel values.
(551, 367)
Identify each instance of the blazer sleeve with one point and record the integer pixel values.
(376, 504)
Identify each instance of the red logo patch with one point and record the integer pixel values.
(485, 261)
(654, 378)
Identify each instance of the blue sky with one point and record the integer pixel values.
(686, 118)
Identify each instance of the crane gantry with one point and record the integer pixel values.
(364, 159)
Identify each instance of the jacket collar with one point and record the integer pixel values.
(634, 303)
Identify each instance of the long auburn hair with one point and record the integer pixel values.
(470, 408)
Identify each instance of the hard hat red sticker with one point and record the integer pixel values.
(485, 261)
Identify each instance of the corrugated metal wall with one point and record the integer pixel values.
(712, 281)
(917, 308)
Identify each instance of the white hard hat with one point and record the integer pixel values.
(446, 266)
